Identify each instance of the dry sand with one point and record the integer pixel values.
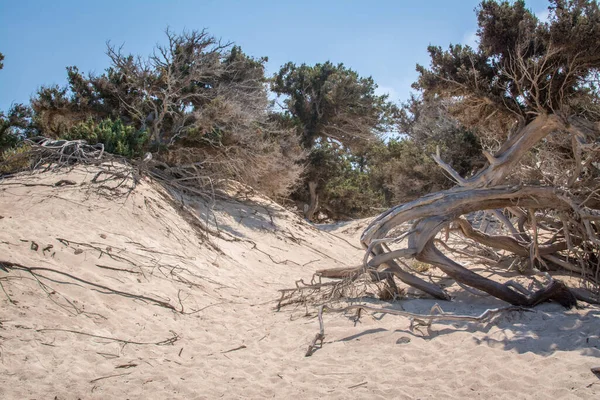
(230, 343)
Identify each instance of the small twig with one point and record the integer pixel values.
(319, 337)
(118, 269)
(237, 348)
(64, 182)
(109, 376)
(165, 342)
(310, 262)
(11, 301)
(126, 366)
(355, 386)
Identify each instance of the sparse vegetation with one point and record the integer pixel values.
(197, 103)
(116, 137)
(200, 104)
(143, 256)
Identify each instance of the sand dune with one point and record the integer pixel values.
(131, 300)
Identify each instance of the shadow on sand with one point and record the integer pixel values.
(544, 330)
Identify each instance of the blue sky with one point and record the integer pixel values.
(383, 39)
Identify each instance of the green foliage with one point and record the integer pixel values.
(350, 195)
(403, 170)
(194, 100)
(184, 90)
(332, 101)
(15, 159)
(337, 115)
(384, 173)
(429, 123)
(7, 138)
(345, 185)
(116, 137)
(523, 67)
(14, 126)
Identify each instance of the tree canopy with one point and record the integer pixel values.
(194, 101)
(189, 88)
(330, 101)
(523, 67)
(337, 115)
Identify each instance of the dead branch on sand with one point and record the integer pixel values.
(169, 341)
(35, 272)
(541, 228)
(416, 320)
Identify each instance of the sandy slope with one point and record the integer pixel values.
(229, 342)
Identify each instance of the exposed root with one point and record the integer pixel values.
(35, 272)
(166, 342)
(354, 286)
(417, 320)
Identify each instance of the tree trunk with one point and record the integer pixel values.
(312, 208)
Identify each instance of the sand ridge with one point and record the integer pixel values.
(67, 338)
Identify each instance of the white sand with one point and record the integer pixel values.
(230, 286)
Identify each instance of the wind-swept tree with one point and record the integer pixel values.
(530, 92)
(184, 88)
(528, 78)
(331, 107)
(195, 100)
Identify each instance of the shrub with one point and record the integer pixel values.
(15, 159)
(117, 137)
